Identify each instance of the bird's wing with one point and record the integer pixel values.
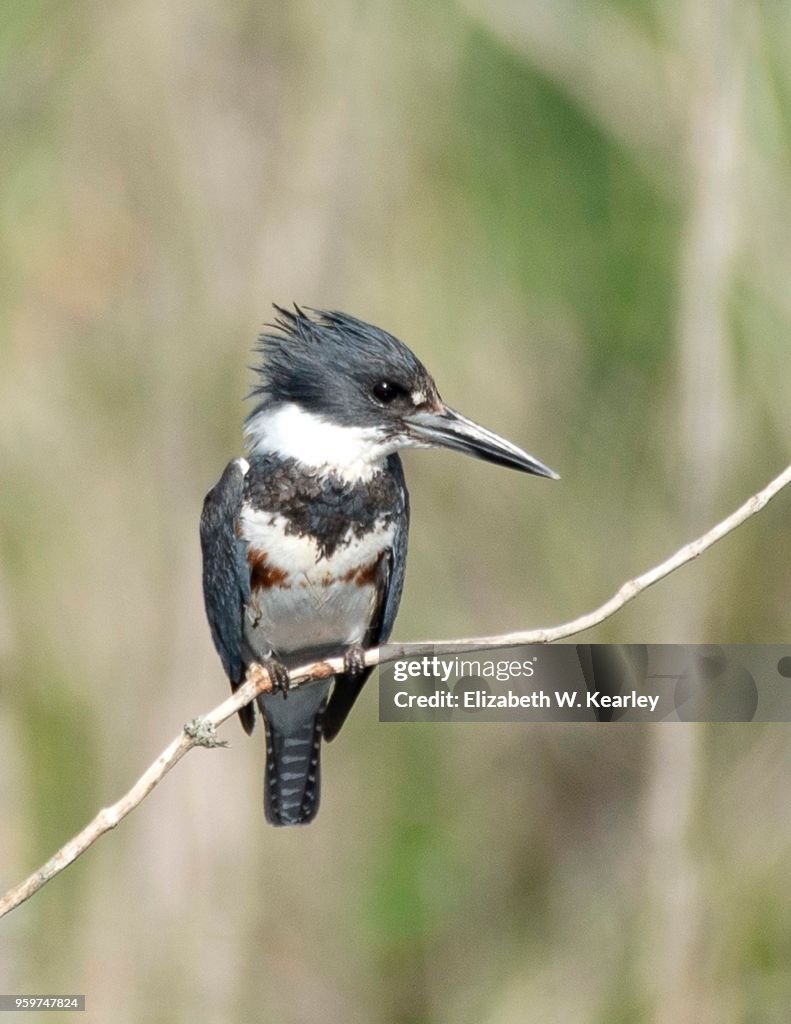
(391, 592)
(389, 585)
(226, 575)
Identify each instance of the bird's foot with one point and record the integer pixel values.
(276, 675)
(354, 660)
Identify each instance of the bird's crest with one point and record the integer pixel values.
(302, 354)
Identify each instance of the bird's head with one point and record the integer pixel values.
(336, 392)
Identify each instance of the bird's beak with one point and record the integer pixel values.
(447, 428)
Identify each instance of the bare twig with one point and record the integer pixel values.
(202, 731)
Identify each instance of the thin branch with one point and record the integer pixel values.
(202, 731)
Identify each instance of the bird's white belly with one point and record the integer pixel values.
(303, 600)
(305, 618)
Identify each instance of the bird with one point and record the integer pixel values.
(304, 539)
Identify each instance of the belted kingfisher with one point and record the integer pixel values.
(304, 542)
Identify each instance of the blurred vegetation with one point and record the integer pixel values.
(579, 215)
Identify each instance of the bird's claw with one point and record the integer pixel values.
(270, 671)
(354, 660)
(278, 676)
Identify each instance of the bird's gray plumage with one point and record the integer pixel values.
(226, 576)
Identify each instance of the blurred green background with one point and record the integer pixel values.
(579, 215)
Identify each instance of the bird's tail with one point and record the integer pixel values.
(293, 748)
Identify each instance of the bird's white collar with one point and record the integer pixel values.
(353, 453)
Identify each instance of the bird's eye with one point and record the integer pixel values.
(385, 391)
